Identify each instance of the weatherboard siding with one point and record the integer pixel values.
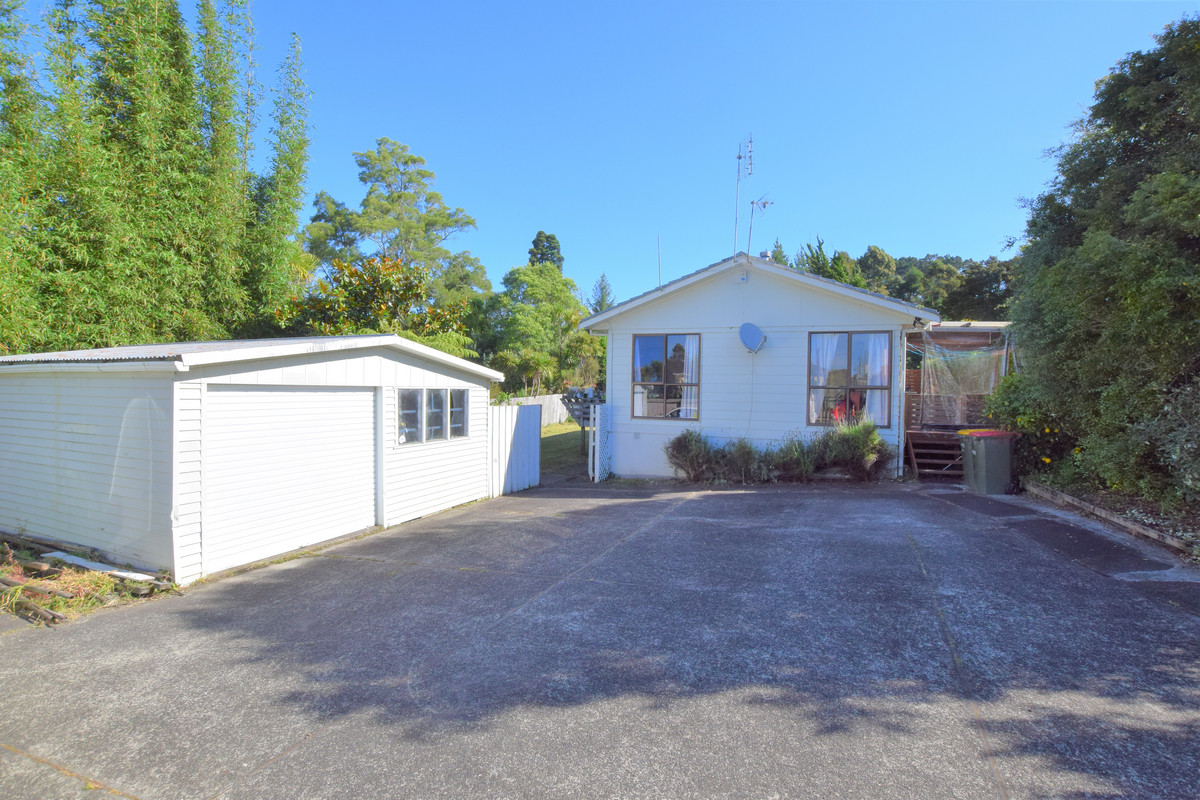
(415, 479)
(761, 397)
(426, 477)
(188, 455)
(121, 457)
(85, 458)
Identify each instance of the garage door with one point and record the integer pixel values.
(284, 468)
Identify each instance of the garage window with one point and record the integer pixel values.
(458, 413)
(409, 407)
(435, 414)
(431, 415)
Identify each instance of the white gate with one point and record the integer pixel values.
(599, 452)
(514, 448)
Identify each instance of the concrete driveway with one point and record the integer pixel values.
(573, 641)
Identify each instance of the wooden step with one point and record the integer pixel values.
(934, 455)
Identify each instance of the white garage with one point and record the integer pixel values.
(200, 456)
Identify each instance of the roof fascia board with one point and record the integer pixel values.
(92, 366)
(899, 307)
(390, 341)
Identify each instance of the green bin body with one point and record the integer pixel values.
(987, 460)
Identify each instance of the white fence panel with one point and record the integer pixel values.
(599, 450)
(515, 448)
(553, 410)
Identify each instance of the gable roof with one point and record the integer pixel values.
(189, 354)
(744, 261)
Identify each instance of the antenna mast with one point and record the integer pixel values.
(761, 205)
(745, 168)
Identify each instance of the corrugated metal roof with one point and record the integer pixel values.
(184, 355)
(174, 351)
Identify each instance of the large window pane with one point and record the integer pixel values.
(827, 359)
(869, 359)
(648, 358)
(409, 413)
(826, 406)
(648, 401)
(876, 405)
(435, 414)
(683, 359)
(683, 402)
(458, 413)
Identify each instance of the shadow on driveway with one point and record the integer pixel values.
(588, 641)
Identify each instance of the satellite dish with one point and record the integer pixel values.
(752, 337)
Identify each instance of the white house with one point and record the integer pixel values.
(200, 456)
(677, 360)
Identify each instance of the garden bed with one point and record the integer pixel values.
(1179, 530)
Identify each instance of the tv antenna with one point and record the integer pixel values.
(759, 205)
(745, 168)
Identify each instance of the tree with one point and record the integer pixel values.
(136, 216)
(928, 281)
(461, 280)
(778, 255)
(380, 295)
(537, 316)
(1106, 300)
(401, 217)
(602, 295)
(879, 270)
(840, 268)
(404, 224)
(21, 148)
(982, 291)
(545, 250)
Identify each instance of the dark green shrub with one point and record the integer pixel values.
(1175, 432)
(738, 459)
(860, 450)
(828, 449)
(793, 460)
(1042, 446)
(856, 447)
(691, 454)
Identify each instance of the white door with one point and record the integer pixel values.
(284, 467)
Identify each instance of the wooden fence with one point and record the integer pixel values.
(553, 410)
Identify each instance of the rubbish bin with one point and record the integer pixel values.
(987, 459)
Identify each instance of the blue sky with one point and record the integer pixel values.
(914, 126)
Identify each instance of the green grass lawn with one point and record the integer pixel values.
(560, 448)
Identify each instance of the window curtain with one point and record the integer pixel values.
(876, 351)
(691, 359)
(876, 406)
(822, 352)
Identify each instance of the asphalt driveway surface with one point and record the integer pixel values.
(573, 641)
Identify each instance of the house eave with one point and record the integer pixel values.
(901, 308)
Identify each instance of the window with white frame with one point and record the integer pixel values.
(458, 413)
(435, 414)
(849, 377)
(431, 415)
(666, 376)
(408, 413)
